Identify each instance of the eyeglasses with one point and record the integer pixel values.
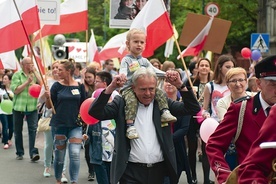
(234, 81)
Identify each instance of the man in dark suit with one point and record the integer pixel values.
(254, 116)
(152, 156)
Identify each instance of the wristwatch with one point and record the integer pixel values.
(182, 86)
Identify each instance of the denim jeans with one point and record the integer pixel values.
(48, 148)
(4, 122)
(7, 127)
(73, 150)
(53, 132)
(32, 120)
(10, 126)
(102, 172)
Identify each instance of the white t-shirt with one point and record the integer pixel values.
(4, 96)
(218, 92)
(108, 134)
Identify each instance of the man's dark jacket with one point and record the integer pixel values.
(103, 110)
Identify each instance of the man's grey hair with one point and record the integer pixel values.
(143, 72)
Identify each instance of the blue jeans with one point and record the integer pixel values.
(53, 132)
(18, 127)
(102, 172)
(48, 148)
(7, 127)
(73, 148)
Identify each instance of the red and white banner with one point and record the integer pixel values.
(73, 18)
(154, 20)
(111, 48)
(8, 60)
(198, 43)
(12, 33)
(93, 53)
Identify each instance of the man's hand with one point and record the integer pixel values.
(30, 78)
(117, 82)
(173, 77)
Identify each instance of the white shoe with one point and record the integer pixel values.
(132, 133)
(6, 146)
(46, 173)
(63, 178)
(167, 117)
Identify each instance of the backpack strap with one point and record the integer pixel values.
(240, 122)
(211, 93)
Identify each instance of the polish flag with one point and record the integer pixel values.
(198, 43)
(12, 33)
(170, 43)
(111, 48)
(93, 53)
(73, 18)
(154, 20)
(8, 60)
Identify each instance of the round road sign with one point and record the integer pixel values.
(212, 9)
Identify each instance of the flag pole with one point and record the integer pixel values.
(86, 41)
(45, 68)
(183, 62)
(42, 55)
(32, 50)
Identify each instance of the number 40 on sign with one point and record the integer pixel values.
(212, 9)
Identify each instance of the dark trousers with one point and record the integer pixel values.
(87, 158)
(139, 174)
(192, 145)
(18, 129)
(102, 172)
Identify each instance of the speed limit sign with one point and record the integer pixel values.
(212, 9)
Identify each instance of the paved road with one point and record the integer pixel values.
(26, 172)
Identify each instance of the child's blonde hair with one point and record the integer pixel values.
(132, 32)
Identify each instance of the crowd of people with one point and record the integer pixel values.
(147, 130)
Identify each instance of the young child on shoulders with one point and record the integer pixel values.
(135, 42)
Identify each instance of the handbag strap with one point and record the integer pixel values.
(8, 94)
(240, 121)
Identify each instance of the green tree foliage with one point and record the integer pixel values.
(242, 13)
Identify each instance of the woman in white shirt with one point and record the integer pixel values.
(236, 81)
(6, 117)
(217, 88)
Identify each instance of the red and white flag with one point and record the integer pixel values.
(8, 60)
(198, 43)
(154, 20)
(170, 43)
(12, 33)
(73, 18)
(93, 53)
(111, 48)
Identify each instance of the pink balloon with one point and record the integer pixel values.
(97, 92)
(89, 120)
(34, 90)
(199, 116)
(207, 128)
(246, 53)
